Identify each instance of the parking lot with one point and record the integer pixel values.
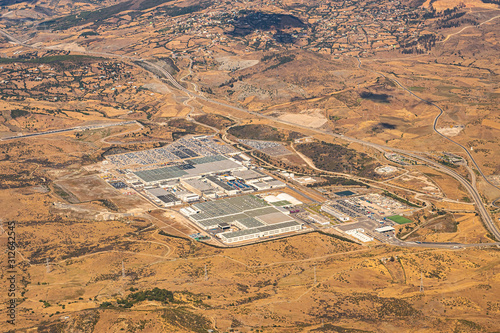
(194, 146)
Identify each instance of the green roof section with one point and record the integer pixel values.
(399, 219)
(282, 203)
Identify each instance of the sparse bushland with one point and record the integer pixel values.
(214, 120)
(263, 132)
(337, 158)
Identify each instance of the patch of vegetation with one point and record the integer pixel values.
(109, 204)
(178, 11)
(380, 127)
(85, 17)
(378, 98)
(448, 164)
(445, 223)
(18, 113)
(337, 329)
(281, 61)
(466, 199)
(251, 299)
(88, 33)
(49, 59)
(395, 197)
(114, 150)
(337, 181)
(470, 325)
(334, 118)
(374, 308)
(214, 120)
(45, 303)
(248, 22)
(182, 317)
(60, 192)
(146, 4)
(106, 305)
(417, 89)
(399, 219)
(337, 158)
(263, 132)
(155, 294)
(344, 239)
(283, 37)
(187, 126)
(350, 99)
(496, 2)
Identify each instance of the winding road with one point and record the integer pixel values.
(468, 27)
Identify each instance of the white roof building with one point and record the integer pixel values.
(289, 198)
(385, 229)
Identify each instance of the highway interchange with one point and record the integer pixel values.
(471, 188)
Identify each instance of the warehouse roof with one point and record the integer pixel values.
(158, 191)
(250, 222)
(275, 217)
(198, 184)
(197, 166)
(385, 229)
(245, 232)
(168, 198)
(248, 174)
(230, 206)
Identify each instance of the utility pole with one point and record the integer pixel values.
(206, 273)
(47, 266)
(421, 282)
(123, 270)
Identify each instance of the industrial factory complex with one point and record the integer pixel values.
(220, 191)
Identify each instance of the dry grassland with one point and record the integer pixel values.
(269, 286)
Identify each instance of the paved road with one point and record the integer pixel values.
(434, 127)
(77, 128)
(471, 188)
(301, 193)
